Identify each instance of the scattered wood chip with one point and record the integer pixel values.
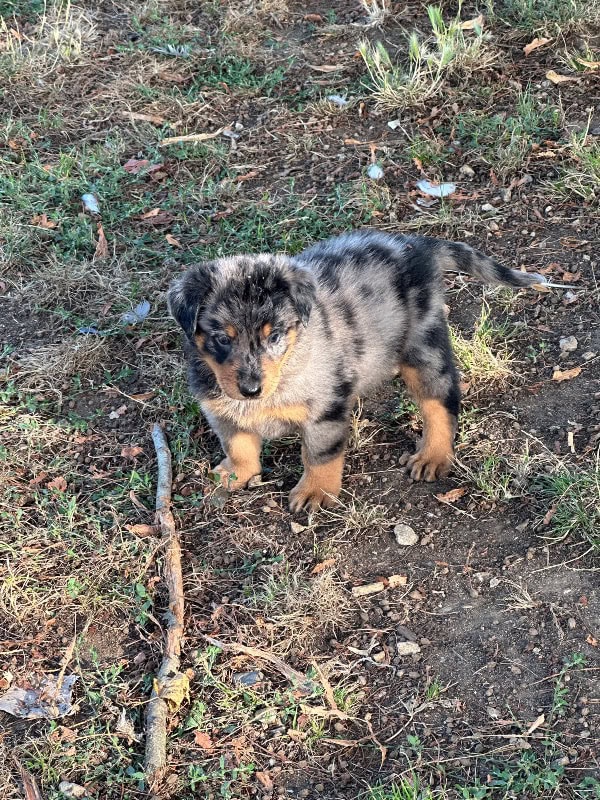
(553, 76)
(143, 530)
(535, 725)
(452, 496)
(326, 67)
(329, 562)
(368, 588)
(534, 44)
(155, 119)
(571, 277)
(548, 515)
(394, 581)
(559, 375)
(589, 64)
(591, 640)
(312, 18)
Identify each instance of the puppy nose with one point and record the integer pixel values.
(249, 387)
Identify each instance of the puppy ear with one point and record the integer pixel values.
(303, 291)
(187, 295)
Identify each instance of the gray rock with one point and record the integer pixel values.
(568, 344)
(408, 648)
(405, 536)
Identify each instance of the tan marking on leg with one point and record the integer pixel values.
(242, 461)
(434, 457)
(319, 485)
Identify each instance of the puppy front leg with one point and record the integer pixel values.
(323, 447)
(242, 460)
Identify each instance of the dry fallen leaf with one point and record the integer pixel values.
(571, 277)
(553, 76)
(118, 412)
(58, 483)
(151, 214)
(592, 640)
(102, 245)
(174, 690)
(42, 221)
(452, 495)
(157, 217)
(142, 397)
(472, 24)
(203, 740)
(131, 451)
(172, 240)
(134, 165)
(534, 44)
(323, 565)
(548, 515)
(560, 376)
(265, 779)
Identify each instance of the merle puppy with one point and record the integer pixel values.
(277, 343)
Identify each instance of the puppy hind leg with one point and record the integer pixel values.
(323, 451)
(437, 393)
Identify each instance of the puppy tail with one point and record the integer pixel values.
(455, 256)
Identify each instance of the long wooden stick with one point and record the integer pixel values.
(170, 686)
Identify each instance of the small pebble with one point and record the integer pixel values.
(568, 344)
(407, 648)
(405, 535)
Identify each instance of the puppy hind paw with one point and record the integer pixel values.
(310, 498)
(428, 466)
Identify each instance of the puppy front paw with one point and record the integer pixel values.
(232, 477)
(429, 464)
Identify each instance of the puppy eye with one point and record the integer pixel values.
(275, 338)
(222, 340)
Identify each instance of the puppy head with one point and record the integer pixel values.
(244, 315)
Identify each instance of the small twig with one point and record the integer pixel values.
(297, 679)
(191, 137)
(170, 686)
